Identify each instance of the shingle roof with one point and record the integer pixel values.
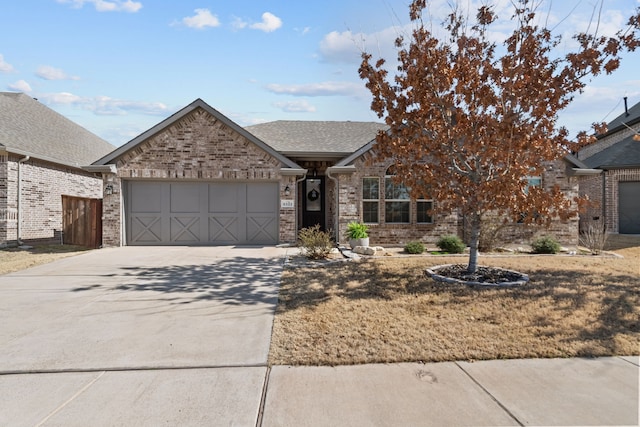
(292, 137)
(625, 153)
(29, 127)
(634, 114)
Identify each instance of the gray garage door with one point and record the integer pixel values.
(201, 213)
(629, 207)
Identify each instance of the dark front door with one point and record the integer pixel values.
(313, 202)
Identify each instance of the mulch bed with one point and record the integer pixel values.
(489, 276)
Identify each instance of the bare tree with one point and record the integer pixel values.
(469, 121)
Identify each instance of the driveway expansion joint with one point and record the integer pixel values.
(127, 369)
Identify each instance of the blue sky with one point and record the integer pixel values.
(118, 67)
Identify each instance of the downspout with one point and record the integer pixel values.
(19, 202)
(337, 204)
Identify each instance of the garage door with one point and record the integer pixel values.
(201, 213)
(629, 207)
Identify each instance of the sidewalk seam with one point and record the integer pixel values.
(263, 397)
(69, 400)
(504, 408)
(126, 369)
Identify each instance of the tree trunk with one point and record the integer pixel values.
(473, 243)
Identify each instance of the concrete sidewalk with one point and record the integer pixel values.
(557, 392)
(601, 391)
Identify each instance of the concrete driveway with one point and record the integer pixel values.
(90, 334)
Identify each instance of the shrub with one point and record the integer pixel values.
(545, 245)
(317, 244)
(414, 247)
(451, 244)
(357, 230)
(594, 237)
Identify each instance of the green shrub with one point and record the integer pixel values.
(414, 247)
(451, 244)
(357, 230)
(317, 244)
(545, 245)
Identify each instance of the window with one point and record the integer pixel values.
(423, 211)
(532, 181)
(370, 200)
(396, 205)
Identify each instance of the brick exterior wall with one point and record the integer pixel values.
(43, 185)
(197, 147)
(382, 233)
(604, 189)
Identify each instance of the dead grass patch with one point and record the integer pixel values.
(385, 310)
(15, 259)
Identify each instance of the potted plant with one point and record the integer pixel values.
(357, 233)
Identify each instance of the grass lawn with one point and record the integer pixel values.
(385, 310)
(15, 259)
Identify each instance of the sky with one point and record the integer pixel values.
(119, 67)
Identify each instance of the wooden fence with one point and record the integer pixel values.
(82, 221)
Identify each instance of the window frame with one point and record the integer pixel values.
(376, 201)
(389, 174)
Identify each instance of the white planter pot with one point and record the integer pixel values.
(358, 242)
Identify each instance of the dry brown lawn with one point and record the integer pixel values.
(14, 259)
(385, 310)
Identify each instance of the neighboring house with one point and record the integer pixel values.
(199, 178)
(615, 192)
(41, 159)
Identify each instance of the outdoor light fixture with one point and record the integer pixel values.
(108, 189)
(287, 191)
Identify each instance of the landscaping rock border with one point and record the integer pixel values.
(506, 276)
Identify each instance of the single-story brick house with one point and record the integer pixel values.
(41, 158)
(615, 191)
(199, 178)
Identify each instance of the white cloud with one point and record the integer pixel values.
(48, 72)
(202, 19)
(269, 23)
(238, 23)
(107, 5)
(104, 105)
(5, 67)
(295, 106)
(20, 86)
(347, 47)
(319, 89)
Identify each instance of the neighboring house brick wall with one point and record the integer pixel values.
(43, 185)
(612, 179)
(197, 147)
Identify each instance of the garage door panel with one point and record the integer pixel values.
(262, 230)
(262, 198)
(225, 198)
(165, 213)
(224, 230)
(185, 198)
(146, 197)
(629, 207)
(185, 229)
(146, 229)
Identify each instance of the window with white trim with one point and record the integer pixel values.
(396, 200)
(370, 199)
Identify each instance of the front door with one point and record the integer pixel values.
(313, 202)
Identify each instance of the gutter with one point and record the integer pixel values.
(19, 202)
(585, 172)
(110, 168)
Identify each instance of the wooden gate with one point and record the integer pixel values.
(82, 221)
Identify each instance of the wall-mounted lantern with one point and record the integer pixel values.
(108, 189)
(287, 191)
